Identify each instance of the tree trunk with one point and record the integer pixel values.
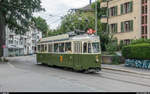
(2, 34)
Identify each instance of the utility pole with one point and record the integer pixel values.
(96, 16)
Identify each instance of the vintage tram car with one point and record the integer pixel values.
(78, 52)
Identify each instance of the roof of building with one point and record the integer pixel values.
(86, 8)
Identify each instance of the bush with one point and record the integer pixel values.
(112, 47)
(139, 51)
(140, 41)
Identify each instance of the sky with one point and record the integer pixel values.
(55, 9)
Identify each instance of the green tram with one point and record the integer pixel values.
(80, 52)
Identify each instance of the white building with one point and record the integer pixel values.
(32, 38)
(17, 45)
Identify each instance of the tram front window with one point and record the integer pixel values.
(96, 48)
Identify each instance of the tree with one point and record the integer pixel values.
(42, 25)
(75, 21)
(84, 20)
(17, 15)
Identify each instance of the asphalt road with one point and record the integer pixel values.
(22, 74)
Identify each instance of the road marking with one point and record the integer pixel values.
(11, 65)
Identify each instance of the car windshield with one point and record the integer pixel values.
(96, 48)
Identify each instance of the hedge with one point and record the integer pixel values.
(139, 51)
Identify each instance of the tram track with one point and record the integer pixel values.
(129, 74)
(116, 79)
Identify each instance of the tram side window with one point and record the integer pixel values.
(39, 48)
(85, 48)
(77, 47)
(89, 48)
(42, 48)
(96, 48)
(45, 50)
(50, 48)
(68, 47)
(61, 47)
(56, 48)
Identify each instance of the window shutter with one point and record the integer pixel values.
(131, 25)
(116, 28)
(122, 27)
(116, 10)
(122, 9)
(107, 12)
(131, 6)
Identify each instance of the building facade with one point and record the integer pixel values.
(18, 45)
(127, 19)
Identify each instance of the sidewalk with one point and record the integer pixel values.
(122, 68)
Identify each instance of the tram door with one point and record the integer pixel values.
(77, 51)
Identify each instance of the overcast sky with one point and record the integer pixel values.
(58, 8)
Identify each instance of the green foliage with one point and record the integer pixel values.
(112, 46)
(99, 9)
(18, 13)
(41, 24)
(140, 41)
(121, 45)
(75, 21)
(84, 21)
(139, 51)
(116, 60)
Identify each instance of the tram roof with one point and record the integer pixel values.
(64, 37)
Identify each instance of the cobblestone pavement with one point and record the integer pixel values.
(22, 74)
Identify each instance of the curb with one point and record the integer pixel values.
(122, 70)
